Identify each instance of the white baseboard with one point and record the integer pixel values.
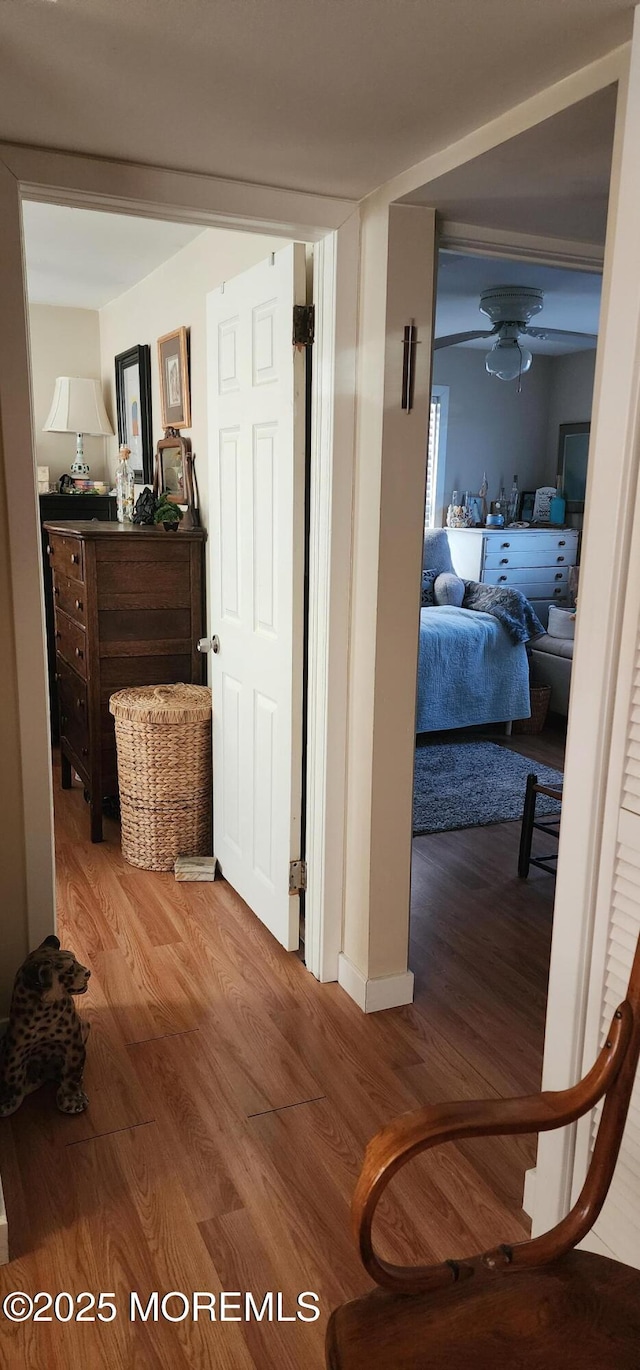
(529, 1195)
(4, 1231)
(387, 991)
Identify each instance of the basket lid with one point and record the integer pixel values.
(162, 703)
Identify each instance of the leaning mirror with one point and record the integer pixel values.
(174, 475)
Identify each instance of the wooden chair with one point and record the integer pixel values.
(538, 1304)
(550, 826)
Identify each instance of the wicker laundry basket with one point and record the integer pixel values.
(163, 740)
(540, 696)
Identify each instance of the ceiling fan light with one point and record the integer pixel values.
(507, 360)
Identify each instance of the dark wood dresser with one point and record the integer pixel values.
(54, 507)
(129, 609)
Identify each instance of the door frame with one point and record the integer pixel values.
(602, 579)
(333, 226)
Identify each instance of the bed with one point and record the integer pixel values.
(469, 671)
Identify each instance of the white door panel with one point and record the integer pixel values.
(256, 463)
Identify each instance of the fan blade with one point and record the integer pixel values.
(453, 338)
(556, 333)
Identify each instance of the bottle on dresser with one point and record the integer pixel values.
(558, 505)
(124, 487)
(514, 500)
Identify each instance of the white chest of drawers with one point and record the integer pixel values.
(533, 560)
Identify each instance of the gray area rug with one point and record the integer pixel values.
(471, 784)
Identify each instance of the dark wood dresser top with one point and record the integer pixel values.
(90, 528)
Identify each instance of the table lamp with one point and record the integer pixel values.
(78, 407)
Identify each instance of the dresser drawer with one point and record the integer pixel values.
(68, 596)
(551, 558)
(74, 725)
(527, 575)
(71, 642)
(526, 540)
(66, 556)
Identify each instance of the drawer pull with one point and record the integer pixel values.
(504, 561)
(505, 544)
(56, 591)
(49, 550)
(58, 634)
(502, 578)
(80, 703)
(63, 720)
(558, 575)
(557, 590)
(75, 559)
(78, 603)
(562, 542)
(559, 558)
(79, 652)
(85, 751)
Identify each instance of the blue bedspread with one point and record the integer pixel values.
(468, 671)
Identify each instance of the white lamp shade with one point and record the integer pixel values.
(78, 407)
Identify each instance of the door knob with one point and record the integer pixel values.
(206, 644)
(215, 645)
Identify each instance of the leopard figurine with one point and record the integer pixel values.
(45, 1038)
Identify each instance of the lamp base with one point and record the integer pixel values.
(79, 466)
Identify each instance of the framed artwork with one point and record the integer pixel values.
(573, 456)
(133, 402)
(475, 503)
(527, 502)
(173, 365)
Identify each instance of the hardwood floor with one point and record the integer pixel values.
(231, 1097)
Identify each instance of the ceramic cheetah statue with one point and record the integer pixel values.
(45, 1038)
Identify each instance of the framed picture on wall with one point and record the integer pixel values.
(133, 402)
(173, 365)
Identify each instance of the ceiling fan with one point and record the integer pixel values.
(509, 307)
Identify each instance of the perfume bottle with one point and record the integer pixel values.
(124, 487)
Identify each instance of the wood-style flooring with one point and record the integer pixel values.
(231, 1098)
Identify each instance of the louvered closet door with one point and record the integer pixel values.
(618, 1226)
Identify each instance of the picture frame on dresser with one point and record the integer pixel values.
(133, 403)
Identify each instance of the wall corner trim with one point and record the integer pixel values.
(529, 1193)
(385, 991)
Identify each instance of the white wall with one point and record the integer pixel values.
(64, 342)
(570, 399)
(173, 295)
(491, 427)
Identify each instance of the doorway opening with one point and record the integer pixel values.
(108, 295)
(480, 933)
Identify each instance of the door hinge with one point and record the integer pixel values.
(304, 325)
(297, 876)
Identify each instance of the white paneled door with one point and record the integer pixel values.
(256, 396)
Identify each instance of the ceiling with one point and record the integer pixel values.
(83, 259)
(333, 96)
(552, 180)
(572, 299)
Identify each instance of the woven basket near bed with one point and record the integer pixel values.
(163, 739)
(540, 696)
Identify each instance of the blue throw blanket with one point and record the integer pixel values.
(468, 671)
(511, 608)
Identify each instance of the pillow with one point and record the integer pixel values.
(562, 622)
(427, 600)
(449, 589)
